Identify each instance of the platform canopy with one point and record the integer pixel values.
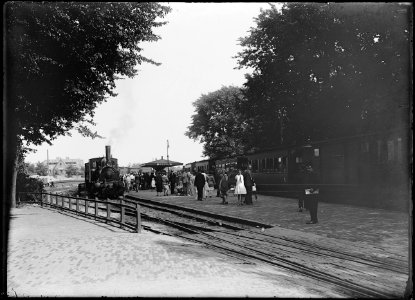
(160, 164)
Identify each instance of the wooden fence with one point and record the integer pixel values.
(110, 211)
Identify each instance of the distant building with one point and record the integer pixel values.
(59, 165)
(127, 170)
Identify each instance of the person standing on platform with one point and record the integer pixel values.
(249, 183)
(142, 182)
(137, 182)
(240, 186)
(205, 187)
(192, 191)
(151, 178)
(218, 177)
(185, 180)
(209, 186)
(223, 187)
(172, 182)
(128, 182)
(132, 179)
(303, 173)
(159, 183)
(311, 193)
(200, 184)
(146, 181)
(165, 180)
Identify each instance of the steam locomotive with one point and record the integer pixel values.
(102, 177)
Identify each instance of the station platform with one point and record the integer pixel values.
(375, 230)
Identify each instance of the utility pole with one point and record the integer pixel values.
(168, 162)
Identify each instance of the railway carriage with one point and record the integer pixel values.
(371, 170)
(205, 166)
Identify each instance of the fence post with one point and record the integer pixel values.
(18, 199)
(41, 199)
(96, 208)
(108, 210)
(86, 206)
(70, 203)
(77, 205)
(138, 216)
(122, 212)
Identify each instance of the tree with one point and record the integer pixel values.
(41, 169)
(30, 168)
(71, 170)
(62, 61)
(218, 122)
(325, 70)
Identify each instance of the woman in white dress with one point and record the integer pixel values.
(206, 187)
(240, 186)
(192, 185)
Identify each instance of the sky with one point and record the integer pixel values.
(196, 52)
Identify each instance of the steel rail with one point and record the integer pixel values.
(331, 252)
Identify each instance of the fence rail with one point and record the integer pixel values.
(110, 211)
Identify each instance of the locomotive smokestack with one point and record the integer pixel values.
(108, 153)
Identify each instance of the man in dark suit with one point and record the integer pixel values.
(172, 179)
(200, 183)
(248, 182)
(311, 193)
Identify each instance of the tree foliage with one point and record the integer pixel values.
(218, 123)
(324, 70)
(26, 184)
(41, 169)
(72, 170)
(29, 168)
(62, 60)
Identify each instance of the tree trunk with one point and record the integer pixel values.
(13, 183)
(9, 189)
(11, 173)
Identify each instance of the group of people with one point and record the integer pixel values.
(137, 181)
(201, 185)
(244, 186)
(179, 183)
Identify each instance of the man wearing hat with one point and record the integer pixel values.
(311, 193)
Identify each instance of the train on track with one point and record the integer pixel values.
(102, 177)
(370, 170)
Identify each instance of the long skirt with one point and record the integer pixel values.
(240, 189)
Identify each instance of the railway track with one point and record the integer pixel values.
(394, 265)
(358, 275)
(351, 274)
